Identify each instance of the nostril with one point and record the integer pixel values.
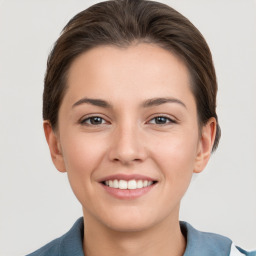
(127, 149)
(126, 160)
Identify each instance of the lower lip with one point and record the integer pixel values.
(127, 193)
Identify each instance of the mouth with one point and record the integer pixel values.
(128, 184)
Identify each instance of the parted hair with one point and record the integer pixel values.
(122, 23)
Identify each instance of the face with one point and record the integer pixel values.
(128, 135)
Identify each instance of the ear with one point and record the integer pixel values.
(205, 145)
(54, 146)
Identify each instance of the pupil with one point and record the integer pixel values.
(96, 120)
(160, 120)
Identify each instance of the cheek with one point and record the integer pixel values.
(175, 156)
(81, 152)
(82, 156)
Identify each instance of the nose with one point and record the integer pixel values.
(127, 145)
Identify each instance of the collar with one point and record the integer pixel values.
(203, 243)
(72, 242)
(198, 243)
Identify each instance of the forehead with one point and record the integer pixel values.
(138, 71)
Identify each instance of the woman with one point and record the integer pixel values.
(129, 112)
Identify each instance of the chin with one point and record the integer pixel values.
(130, 219)
(129, 224)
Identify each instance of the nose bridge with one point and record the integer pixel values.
(127, 143)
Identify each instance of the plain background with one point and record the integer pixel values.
(36, 202)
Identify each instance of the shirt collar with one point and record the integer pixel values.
(72, 242)
(203, 243)
(198, 243)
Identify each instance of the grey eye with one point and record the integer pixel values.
(160, 120)
(95, 120)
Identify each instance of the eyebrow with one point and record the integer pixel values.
(160, 101)
(95, 102)
(146, 104)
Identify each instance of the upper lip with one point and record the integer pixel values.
(126, 177)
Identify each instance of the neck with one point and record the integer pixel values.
(163, 239)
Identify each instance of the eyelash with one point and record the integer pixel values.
(170, 120)
(83, 122)
(91, 119)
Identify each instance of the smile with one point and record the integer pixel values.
(128, 184)
(124, 186)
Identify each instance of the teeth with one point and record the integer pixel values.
(140, 184)
(115, 184)
(131, 184)
(122, 184)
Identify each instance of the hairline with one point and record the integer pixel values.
(126, 45)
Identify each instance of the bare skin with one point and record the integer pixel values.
(130, 112)
(163, 239)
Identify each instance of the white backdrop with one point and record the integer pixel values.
(36, 202)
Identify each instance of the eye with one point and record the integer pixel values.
(161, 120)
(93, 120)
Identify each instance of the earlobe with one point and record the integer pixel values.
(205, 145)
(54, 147)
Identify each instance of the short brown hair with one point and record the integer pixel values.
(121, 23)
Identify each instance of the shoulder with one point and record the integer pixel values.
(210, 244)
(237, 251)
(68, 244)
(51, 248)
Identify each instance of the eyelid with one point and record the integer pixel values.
(88, 116)
(172, 120)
